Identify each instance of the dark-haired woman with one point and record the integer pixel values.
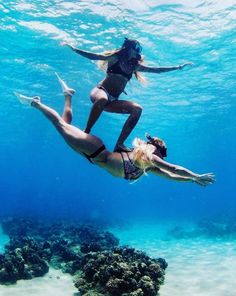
(120, 65)
(147, 156)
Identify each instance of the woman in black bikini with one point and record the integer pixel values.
(146, 156)
(120, 66)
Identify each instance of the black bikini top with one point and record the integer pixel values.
(116, 69)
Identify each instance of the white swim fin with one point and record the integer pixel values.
(26, 100)
(66, 90)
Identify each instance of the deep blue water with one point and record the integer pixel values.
(193, 110)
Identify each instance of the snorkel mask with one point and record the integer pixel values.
(134, 44)
(154, 141)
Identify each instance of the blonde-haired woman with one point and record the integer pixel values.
(120, 65)
(147, 156)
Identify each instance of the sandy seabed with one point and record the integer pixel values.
(54, 283)
(196, 267)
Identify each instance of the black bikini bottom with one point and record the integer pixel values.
(95, 154)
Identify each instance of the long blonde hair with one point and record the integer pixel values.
(143, 153)
(102, 64)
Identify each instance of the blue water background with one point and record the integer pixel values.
(193, 110)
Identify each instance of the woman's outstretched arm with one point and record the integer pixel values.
(203, 180)
(87, 54)
(176, 172)
(143, 68)
(169, 175)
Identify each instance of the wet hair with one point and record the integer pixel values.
(121, 52)
(143, 153)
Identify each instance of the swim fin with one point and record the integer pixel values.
(66, 90)
(26, 100)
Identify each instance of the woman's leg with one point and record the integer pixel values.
(65, 129)
(67, 111)
(68, 92)
(125, 107)
(100, 100)
(74, 137)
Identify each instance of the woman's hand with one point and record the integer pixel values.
(185, 64)
(68, 45)
(204, 179)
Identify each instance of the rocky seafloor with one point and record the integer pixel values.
(88, 252)
(208, 228)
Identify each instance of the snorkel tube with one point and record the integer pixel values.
(150, 139)
(156, 142)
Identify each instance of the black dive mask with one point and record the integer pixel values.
(138, 47)
(162, 149)
(132, 43)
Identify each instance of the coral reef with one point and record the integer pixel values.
(90, 238)
(215, 228)
(23, 259)
(122, 271)
(89, 253)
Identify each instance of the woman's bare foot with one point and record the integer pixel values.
(122, 148)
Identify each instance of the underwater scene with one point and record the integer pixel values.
(117, 155)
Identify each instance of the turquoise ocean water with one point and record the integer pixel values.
(193, 110)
